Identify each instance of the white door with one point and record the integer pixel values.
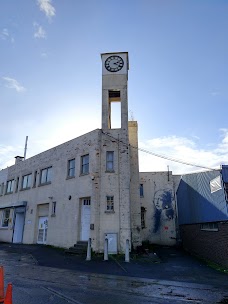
(42, 230)
(85, 219)
(18, 227)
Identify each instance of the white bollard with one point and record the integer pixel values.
(127, 256)
(88, 256)
(106, 250)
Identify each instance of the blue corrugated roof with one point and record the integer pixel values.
(196, 203)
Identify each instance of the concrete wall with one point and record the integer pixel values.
(63, 229)
(135, 207)
(160, 207)
(64, 226)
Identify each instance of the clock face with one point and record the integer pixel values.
(114, 63)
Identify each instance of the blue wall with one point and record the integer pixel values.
(196, 203)
(225, 173)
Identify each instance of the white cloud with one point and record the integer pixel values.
(39, 31)
(182, 149)
(13, 84)
(215, 93)
(7, 155)
(44, 55)
(46, 7)
(5, 35)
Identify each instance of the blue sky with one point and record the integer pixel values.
(50, 75)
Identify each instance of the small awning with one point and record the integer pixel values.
(13, 205)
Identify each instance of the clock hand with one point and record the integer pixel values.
(117, 62)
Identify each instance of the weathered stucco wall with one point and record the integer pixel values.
(135, 208)
(160, 207)
(64, 227)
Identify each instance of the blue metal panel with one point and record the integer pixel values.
(196, 203)
(225, 173)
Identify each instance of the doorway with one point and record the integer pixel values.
(42, 230)
(85, 219)
(19, 225)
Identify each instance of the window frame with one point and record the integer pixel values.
(212, 226)
(143, 217)
(10, 189)
(110, 203)
(5, 218)
(34, 179)
(84, 165)
(53, 208)
(28, 184)
(110, 161)
(69, 168)
(141, 190)
(48, 176)
(1, 189)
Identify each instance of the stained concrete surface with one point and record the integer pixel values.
(42, 274)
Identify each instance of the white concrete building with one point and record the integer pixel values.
(88, 187)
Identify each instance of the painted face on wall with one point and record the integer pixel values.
(163, 207)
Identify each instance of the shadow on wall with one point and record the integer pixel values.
(163, 207)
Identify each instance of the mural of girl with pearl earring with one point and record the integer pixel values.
(164, 211)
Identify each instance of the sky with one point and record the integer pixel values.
(50, 76)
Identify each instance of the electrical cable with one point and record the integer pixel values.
(160, 155)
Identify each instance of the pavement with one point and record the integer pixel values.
(165, 263)
(169, 276)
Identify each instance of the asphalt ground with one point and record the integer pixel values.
(168, 263)
(43, 274)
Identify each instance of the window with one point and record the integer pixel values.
(110, 203)
(53, 208)
(34, 180)
(71, 168)
(9, 186)
(114, 109)
(46, 176)
(209, 226)
(5, 217)
(86, 202)
(1, 188)
(215, 184)
(17, 184)
(143, 215)
(26, 181)
(141, 190)
(85, 164)
(110, 161)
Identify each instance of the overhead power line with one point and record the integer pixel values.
(160, 155)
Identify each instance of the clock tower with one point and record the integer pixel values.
(115, 148)
(114, 87)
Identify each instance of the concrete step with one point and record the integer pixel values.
(81, 243)
(79, 248)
